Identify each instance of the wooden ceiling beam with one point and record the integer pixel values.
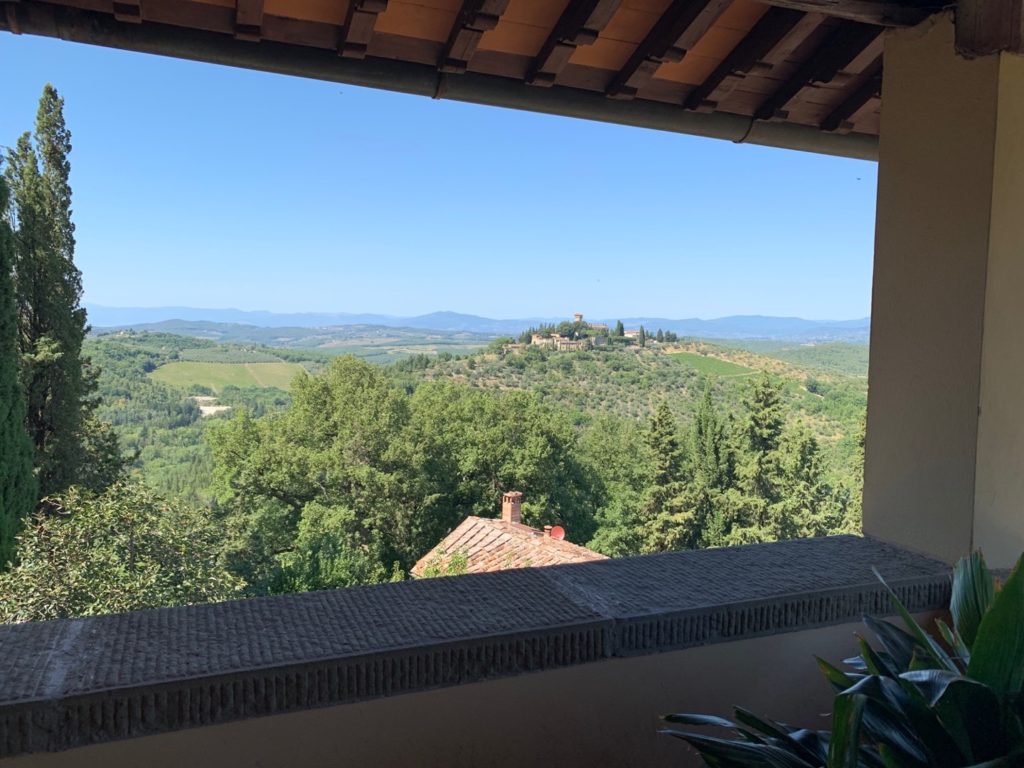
(128, 10)
(984, 27)
(885, 13)
(857, 98)
(580, 24)
(808, 25)
(475, 18)
(11, 18)
(249, 20)
(840, 48)
(677, 31)
(358, 30)
(767, 33)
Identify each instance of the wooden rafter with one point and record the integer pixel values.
(762, 38)
(840, 48)
(580, 24)
(857, 98)
(781, 53)
(885, 13)
(11, 18)
(475, 18)
(358, 29)
(128, 10)
(984, 27)
(679, 28)
(249, 20)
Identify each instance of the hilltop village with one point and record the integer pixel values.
(577, 335)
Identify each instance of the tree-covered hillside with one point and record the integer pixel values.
(627, 383)
(160, 427)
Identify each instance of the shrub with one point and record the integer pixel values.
(85, 554)
(913, 702)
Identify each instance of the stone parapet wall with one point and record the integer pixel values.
(66, 684)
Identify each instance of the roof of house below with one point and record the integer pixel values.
(496, 545)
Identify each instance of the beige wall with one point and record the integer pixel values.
(999, 490)
(948, 304)
(596, 714)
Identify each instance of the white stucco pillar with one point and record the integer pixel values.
(944, 469)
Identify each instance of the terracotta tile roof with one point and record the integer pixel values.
(496, 545)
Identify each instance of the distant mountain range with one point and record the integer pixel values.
(733, 327)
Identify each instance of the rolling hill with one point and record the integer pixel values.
(733, 327)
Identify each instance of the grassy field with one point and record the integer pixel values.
(834, 357)
(711, 365)
(216, 376)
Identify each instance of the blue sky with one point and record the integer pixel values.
(199, 185)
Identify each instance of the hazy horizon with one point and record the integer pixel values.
(543, 315)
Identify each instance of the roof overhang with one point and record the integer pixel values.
(424, 80)
(796, 74)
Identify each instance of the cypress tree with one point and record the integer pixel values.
(643, 337)
(664, 520)
(666, 453)
(765, 422)
(49, 288)
(764, 408)
(712, 463)
(17, 483)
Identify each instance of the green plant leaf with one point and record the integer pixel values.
(844, 746)
(685, 718)
(954, 641)
(891, 716)
(780, 733)
(897, 643)
(813, 742)
(972, 595)
(970, 711)
(875, 663)
(839, 679)
(997, 656)
(722, 753)
(893, 759)
(856, 662)
(1014, 760)
(934, 650)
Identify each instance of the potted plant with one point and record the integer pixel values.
(916, 700)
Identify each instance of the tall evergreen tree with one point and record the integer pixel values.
(642, 338)
(764, 409)
(762, 472)
(666, 454)
(713, 462)
(57, 382)
(620, 330)
(667, 522)
(17, 482)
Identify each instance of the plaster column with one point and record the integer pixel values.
(944, 469)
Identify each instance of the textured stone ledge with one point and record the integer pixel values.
(69, 683)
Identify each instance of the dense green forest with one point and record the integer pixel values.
(154, 468)
(359, 469)
(160, 427)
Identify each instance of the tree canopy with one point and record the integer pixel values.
(18, 491)
(389, 471)
(84, 554)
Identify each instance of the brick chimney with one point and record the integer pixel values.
(511, 504)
